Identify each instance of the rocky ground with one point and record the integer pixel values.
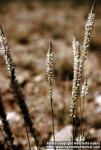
(29, 28)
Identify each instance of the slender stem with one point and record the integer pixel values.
(52, 114)
(4, 138)
(73, 130)
(82, 114)
(28, 137)
(81, 109)
(74, 126)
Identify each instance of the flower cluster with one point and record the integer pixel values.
(80, 54)
(49, 64)
(88, 32)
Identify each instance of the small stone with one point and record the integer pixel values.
(23, 77)
(38, 78)
(63, 135)
(98, 100)
(13, 116)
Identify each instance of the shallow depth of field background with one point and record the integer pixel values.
(29, 26)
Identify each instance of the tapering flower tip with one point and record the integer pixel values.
(91, 17)
(84, 91)
(1, 40)
(93, 7)
(49, 63)
(50, 46)
(74, 37)
(74, 42)
(1, 30)
(88, 31)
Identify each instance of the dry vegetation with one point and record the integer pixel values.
(29, 30)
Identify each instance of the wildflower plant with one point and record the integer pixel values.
(80, 55)
(79, 89)
(49, 72)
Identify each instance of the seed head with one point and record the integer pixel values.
(49, 63)
(88, 31)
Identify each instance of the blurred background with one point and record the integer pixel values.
(29, 26)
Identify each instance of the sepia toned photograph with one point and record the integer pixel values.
(50, 75)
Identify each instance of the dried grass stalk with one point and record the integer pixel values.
(84, 93)
(76, 79)
(49, 72)
(19, 97)
(80, 54)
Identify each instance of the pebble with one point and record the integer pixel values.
(64, 134)
(38, 78)
(98, 100)
(12, 117)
